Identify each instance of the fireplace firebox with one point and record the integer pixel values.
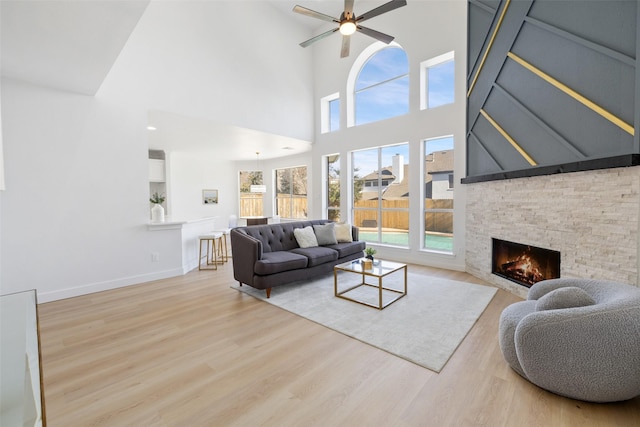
(524, 264)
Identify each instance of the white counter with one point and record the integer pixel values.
(189, 230)
(171, 223)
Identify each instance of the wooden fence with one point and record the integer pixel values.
(441, 222)
(251, 204)
(366, 215)
(292, 207)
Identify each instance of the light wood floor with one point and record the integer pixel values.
(190, 351)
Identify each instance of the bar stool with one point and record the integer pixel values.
(213, 241)
(233, 223)
(223, 251)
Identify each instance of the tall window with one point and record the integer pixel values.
(382, 86)
(330, 113)
(291, 192)
(251, 204)
(438, 189)
(437, 81)
(381, 194)
(333, 187)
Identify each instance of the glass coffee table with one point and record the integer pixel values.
(379, 270)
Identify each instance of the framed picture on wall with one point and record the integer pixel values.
(209, 197)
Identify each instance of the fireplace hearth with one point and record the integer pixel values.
(524, 264)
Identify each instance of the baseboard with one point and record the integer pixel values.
(105, 286)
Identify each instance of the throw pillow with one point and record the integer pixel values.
(325, 234)
(568, 297)
(305, 237)
(343, 232)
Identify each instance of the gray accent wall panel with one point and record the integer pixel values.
(609, 23)
(589, 46)
(605, 81)
(480, 19)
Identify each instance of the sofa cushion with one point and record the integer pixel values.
(275, 262)
(325, 234)
(305, 237)
(346, 249)
(568, 297)
(343, 232)
(318, 255)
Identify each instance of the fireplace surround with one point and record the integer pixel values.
(591, 217)
(524, 264)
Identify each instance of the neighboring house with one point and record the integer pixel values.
(439, 176)
(394, 181)
(390, 180)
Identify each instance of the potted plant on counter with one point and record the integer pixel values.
(157, 211)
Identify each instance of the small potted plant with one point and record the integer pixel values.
(370, 252)
(157, 211)
(157, 199)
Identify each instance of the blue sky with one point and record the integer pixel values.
(378, 97)
(367, 160)
(385, 78)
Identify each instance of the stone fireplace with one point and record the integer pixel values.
(591, 217)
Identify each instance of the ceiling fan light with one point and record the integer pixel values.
(347, 28)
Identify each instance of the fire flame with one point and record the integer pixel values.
(524, 269)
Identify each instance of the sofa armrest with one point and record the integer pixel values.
(245, 250)
(355, 233)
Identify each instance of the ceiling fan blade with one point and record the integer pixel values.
(319, 37)
(348, 7)
(387, 7)
(312, 13)
(385, 38)
(346, 43)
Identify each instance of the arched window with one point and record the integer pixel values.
(381, 88)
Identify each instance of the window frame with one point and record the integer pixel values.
(255, 196)
(424, 77)
(291, 195)
(424, 198)
(388, 80)
(325, 112)
(354, 72)
(380, 188)
(327, 178)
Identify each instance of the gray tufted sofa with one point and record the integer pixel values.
(265, 256)
(576, 337)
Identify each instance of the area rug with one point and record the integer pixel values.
(424, 327)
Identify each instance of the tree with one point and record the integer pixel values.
(334, 186)
(249, 178)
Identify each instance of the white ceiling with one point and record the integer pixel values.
(71, 45)
(67, 45)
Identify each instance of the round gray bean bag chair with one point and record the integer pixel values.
(576, 337)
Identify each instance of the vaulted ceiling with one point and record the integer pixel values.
(72, 45)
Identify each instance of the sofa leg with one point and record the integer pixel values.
(240, 283)
(268, 292)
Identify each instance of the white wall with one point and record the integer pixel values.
(75, 210)
(233, 62)
(192, 172)
(424, 30)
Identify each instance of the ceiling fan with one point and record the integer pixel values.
(349, 23)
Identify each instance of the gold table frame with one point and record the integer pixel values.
(382, 269)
